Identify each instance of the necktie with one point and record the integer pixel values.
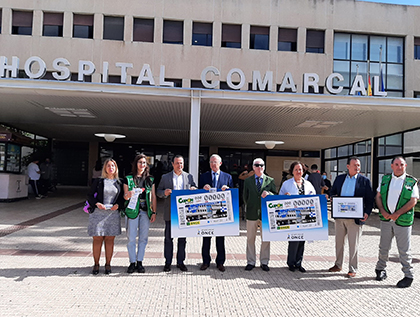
(259, 184)
(214, 180)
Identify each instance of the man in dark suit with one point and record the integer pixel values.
(255, 187)
(220, 180)
(177, 179)
(351, 184)
(316, 179)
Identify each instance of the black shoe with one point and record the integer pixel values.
(249, 267)
(204, 267)
(380, 275)
(265, 267)
(301, 269)
(405, 282)
(108, 269)
(140, 267)
(182, 267)
(167, 268)
(131, 268)
(292, 268)
(95, 270)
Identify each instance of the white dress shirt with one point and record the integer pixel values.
(291, 187)
(178, 181)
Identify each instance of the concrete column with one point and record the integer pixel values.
(195, 134)
(37, 23)
(68, 24)
(98, 23)
(128, 28)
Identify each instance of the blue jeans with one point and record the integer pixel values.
(137, 227)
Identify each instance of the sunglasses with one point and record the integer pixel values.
(259, 165)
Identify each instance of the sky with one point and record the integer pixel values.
(410, 2)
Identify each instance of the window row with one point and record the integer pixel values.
(173, 31)
(368, 56)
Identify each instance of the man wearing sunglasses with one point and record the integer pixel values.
(255, 187)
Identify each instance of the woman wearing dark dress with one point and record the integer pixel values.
(106, 195)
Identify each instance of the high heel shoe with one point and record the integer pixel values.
(95, 270)
(107, 268)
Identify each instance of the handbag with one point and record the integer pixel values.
(87, 208)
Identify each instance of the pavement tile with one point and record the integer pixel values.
(45, 270)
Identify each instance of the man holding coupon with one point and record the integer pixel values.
(351, 184)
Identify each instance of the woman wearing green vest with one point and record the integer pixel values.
(140, 211)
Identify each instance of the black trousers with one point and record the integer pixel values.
(220, 248)
(34, 184)
(295, 253)
(168, 249)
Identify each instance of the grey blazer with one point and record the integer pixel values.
(167, 182)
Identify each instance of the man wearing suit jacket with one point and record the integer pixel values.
(220, 180)
(354, 185)
(177, 179)
(255, 187)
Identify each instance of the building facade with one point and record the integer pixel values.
(215, 76)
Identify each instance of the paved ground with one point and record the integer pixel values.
(45, 264)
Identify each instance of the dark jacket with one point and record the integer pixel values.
(363, 189)
(252, 198)
(98, 187)
(224, 179)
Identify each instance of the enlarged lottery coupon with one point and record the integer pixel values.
(294, 214)
(204, 209)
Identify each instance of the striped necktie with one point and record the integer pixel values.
(259, 179)
(214, 180)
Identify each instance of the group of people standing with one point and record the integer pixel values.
(395, 198)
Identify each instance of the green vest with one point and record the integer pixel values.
(406, 219)
(148, 184)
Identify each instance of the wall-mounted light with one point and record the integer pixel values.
(269, 144)
(110, 137)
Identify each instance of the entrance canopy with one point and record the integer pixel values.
(73, 111)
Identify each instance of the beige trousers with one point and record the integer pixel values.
(251, 233)
(343, 228)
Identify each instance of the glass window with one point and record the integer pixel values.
(315, 41)
(83, 26)
(113, 28)
(202, 34)
(394, 78)
(173, 32)
(0, 24)
(341, 46)
(343, 68)
(259, 38)
(53, 24)
(362, 147)
(330, 153)
(231, 35)
(287, 40)
(143, 30)
(345, 150)
(395, 49)
(359, 68)
(411, 141)
(384, 167)
(417, 48)
(359, 45)
(22, 22)
(342, 166)
(377, 44)
(390, 145)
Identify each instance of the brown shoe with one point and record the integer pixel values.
(204, 267)
(221, 268)
(351, 274)
(335, 268)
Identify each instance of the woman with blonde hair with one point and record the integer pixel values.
(106, 196)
